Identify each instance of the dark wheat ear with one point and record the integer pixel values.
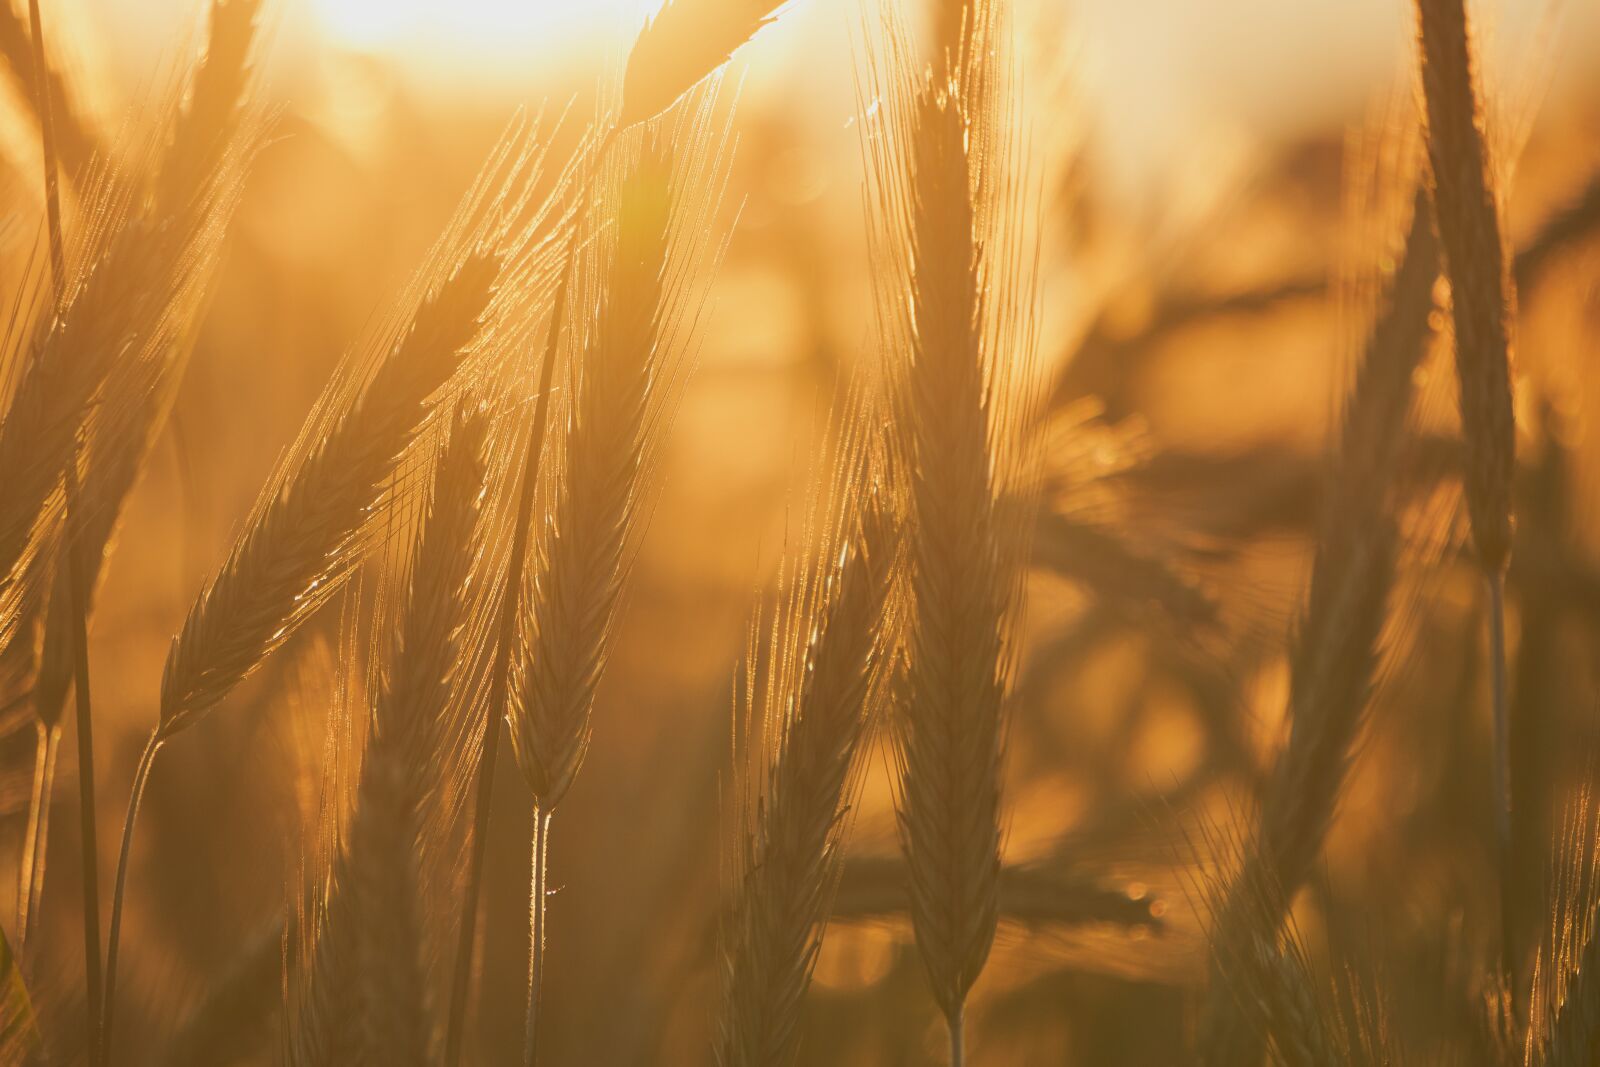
(309, 527)
(367, 998)
(834, 644)
(681, 46)
(1335, 653)
(634, 311)
(956, 299)
(1481, 299)
(1474, 254)
(140, 392)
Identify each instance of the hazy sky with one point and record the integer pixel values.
(1160, 76)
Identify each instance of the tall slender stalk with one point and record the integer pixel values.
(957, 303)
(564, 634)
(35, 831)
(71, 559)
(88, 838)
(1500, 774)
(1467, 204)
(495, 706)
(141, 777)
(536, 918)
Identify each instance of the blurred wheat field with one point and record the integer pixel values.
(829, 532)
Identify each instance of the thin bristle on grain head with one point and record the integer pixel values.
(635, 293)
(956, 302)
(686, 42)
(1564, 1012)
(834, 645)
(373, 934)
(1464, 199)
(308, 529)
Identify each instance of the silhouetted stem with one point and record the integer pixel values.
(1501, 773)
(536, 905)
(466, 943)
(141, 776)
(30, 880)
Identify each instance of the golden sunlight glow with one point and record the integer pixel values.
(496, 25)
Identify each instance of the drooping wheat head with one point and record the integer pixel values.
(307, 530)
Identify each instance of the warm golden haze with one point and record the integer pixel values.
(848, 532)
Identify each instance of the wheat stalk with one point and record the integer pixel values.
(116, 445)
(633, 314)
(368, 954)
(1481, 307)
(578, 572)
(956, 304)
(833, 647)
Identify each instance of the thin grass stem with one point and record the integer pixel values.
(30, 833)
(466, 944)
(1501, 774)
(536, 912)
(141, 776)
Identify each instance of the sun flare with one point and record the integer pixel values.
(383, 25)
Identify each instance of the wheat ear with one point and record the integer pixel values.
(626, 356)
(578, 573)
(1334, 657)
(368, 964)
(1481, 306)
(957, 306)
(114, 450)
(305, 534)
(833, 644)
(309, 527)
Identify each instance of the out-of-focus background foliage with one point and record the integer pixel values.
(1204, 244)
